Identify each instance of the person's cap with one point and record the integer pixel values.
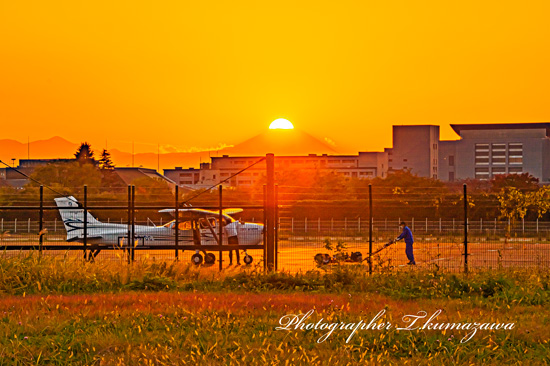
(403, 223)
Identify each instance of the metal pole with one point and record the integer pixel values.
(133, 222)
(370, 229)
(220, 228)
(176, 215)
(278, 227)
(465, 229)
(85, 221)
(270, 173)
(129, 220)
(265, 227)
(41, 219)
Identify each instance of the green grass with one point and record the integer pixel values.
(65, 311)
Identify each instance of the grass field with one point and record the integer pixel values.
(63, 311)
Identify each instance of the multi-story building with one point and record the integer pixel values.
(225, 168)
(415, 148)
(486, 150)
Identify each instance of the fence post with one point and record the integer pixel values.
(278, 220)
(359, 223)
(220, 231)
(41, 219)
(15, 225)
(55, 225)
(85, 220)
(537, 224)
(29, 225)
(134, 222)
(426, 224)
(305, 225)
(292, 225)
(370, 229)
(265, 227)
(523, 225)
(481, 225)
(465, 229)
(129, 221)
(440, 224)
(2, 224)
(319, 225)
(271, 219)
(176, 215)
(413, 223)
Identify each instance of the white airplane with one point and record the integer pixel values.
(197, 227)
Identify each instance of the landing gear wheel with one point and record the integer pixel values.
(247, 259)
(210, 258)
(196, 259)
(356, 257)
(319, 258)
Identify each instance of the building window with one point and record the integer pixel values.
(451, 160)
(482, 154)
(482, 173)
(498, 154)
(499, 170)
(515, 153)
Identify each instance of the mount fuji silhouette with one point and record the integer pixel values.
(281, 142)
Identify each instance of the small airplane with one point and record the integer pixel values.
(197, 227)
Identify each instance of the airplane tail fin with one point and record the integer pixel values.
(73, 217)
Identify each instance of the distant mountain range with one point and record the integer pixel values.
(279, 142)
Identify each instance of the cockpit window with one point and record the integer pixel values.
(186, 225)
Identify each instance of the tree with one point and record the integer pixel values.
(524, 182)
(67, 177)
(105, 162)
(84, 154)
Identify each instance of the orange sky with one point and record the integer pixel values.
(207, 73)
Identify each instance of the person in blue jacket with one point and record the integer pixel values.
(408, 236)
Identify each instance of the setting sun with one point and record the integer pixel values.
(281, 124)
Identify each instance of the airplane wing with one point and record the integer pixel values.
(200, 212)
(232, 211)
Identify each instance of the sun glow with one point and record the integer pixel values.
(281, 124)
